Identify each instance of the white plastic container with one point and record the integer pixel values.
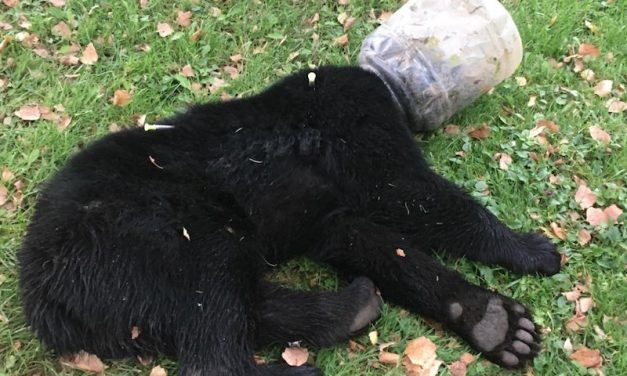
(438, 56)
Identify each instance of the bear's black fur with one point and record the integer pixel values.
(171, 231)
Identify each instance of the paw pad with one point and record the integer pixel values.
(498, 327)
(455, 311)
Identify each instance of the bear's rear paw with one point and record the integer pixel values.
(534, 254)
(368, 303)
(498, 327)
(282, 369)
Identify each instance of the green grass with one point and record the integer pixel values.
(522, 196)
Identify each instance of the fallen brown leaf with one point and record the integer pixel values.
(63, 122)
(57, 3)
(343, 2)
(384, 16)
(384, 346)
(573, 215)
(576, 323)
(164, 29)
(373, 337)
(467, 358)
(85, 362)
(27, 39)
(388, 357)
(41, 52)
(5, 42)
(10, 3)
(586, 49)
(69, 59)
(341, 18)
(603, 88)
(458, 368)
(572, 296)
(420, 358)
(7, 175)
(585, 197)
(231, 71)
(521, 81)
(548, 124)
(504, 160)
(592, 27)
(196, 35)
(555, 64)
(596, 217)
(584, 237)
(293, 55)
(4, 194)
(28, 113)
(613, 212)
(158, 371)
(23, 22)
(480, 133)
(588, 75)
(187, 71)
(217, 84)
(451, 129)
(184, 19)
(90, 56)
(587, 358)
(314, 19)
(342, 40)
(62, 29)
(554, 179)
(143, 4)
(568, 346)
(295, 356)
(215, 12)
(236, 58)
(121, 98)
(354, 346)
(615, 106)
(350, 21)
(599, 134)
(559, 232)
(599, 332)
(563, 259)
(584, 304)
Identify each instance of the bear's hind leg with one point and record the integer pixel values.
(436, 215)
(316, 318)
(225, 349)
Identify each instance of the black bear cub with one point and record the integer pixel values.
(171, 231)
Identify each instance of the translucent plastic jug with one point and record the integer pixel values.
(438, 56)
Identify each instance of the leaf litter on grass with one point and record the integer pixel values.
(590, 71)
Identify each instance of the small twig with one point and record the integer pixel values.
(312, 79)
(152, 160)
(154, 127)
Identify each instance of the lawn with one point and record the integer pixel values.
(236, 48)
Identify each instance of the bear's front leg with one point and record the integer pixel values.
(495, 325)
(318, 319)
